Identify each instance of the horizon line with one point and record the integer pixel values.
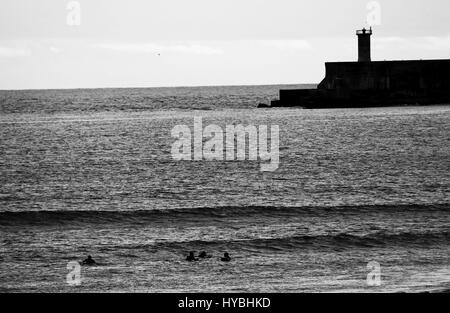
(155, 87)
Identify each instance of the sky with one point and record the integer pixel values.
(46, 44)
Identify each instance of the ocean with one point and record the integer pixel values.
(90, 172)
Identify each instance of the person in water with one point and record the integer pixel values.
(226, 257)
(191, 257)
(203, 255)
(89, 261)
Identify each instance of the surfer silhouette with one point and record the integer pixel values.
(226, 257)
(191, 257)
(88, 261)
(203, 255)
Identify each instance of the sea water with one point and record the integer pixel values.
(91, 172)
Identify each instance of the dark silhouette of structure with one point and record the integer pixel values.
(366, 83)
(364, 45)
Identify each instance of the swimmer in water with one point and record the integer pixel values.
(203, 255)
(226, 257)
(191, 257)
(88, 261)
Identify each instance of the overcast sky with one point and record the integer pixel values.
(149, 43)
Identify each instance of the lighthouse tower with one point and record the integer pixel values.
(364, 44)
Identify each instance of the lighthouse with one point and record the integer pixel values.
(368, 83)
(364, 44)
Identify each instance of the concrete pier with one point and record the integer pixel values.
(366, 83)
